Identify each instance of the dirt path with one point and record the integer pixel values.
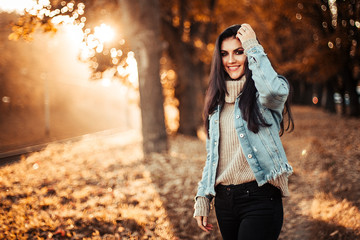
(324, 151)
(103, 188)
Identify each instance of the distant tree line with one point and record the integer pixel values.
(315, 44)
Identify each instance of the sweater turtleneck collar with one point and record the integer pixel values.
(234, 88)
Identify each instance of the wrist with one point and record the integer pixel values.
(202, 207)
(250, 43)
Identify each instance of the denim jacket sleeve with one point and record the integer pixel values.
(205, 175)
(273, 89)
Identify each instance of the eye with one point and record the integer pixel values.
(223, 54)
(239, 51)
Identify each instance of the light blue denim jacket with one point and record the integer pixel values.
(263, 150)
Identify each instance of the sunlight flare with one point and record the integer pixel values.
(132, 68)
(106, 82)
(104, 33)
(16, 5)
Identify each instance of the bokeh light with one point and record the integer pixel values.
(104, 33)
(99, 39)
(132, 69)
(315, 100)
(17, 6)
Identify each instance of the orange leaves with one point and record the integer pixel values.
(60, 231)
(27, 25)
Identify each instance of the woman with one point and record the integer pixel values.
(246, 169)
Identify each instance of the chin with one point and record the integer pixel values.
(236, 76)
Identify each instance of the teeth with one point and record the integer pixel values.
(234, 68)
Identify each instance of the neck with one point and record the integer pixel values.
(237, 79)
(234, 88)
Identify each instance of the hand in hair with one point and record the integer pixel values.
(245, 33)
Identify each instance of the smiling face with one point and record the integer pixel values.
(233, 57)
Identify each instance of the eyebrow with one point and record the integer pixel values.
(239, 48)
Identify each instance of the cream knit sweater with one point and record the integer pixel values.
(233, 167)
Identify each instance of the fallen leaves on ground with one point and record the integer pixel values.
(104, 188)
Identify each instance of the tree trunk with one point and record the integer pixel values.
(188, 91)
(328, 102)
(295, 98)
(350, 87)
(342, 94)
(302, 93)
(189, 78)
(318, 90)
(142, 21)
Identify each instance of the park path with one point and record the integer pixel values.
(324, 150)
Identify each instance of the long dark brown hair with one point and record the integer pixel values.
(215, 94)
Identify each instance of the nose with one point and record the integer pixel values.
(231, 58)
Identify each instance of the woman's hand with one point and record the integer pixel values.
(203, 224)
(245, 33)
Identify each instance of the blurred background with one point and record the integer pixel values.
(108, 96)
(69, 67)
(49, 89)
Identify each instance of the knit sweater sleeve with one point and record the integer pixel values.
(202, 207)
(281, 182)
(248, 44)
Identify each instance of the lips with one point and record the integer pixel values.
(233, 68)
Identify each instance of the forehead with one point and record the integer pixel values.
(230, 44)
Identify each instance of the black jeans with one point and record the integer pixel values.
(249, 212)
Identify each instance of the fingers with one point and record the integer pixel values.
(199, 221)
(245, 32)
(245, 29)
(247, 26)
(207, 225)
(203, 224)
